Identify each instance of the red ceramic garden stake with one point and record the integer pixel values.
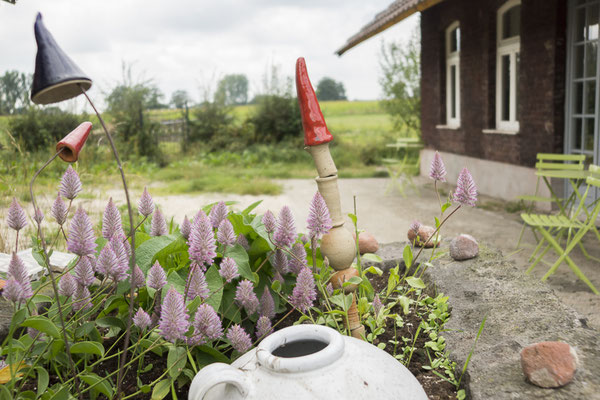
(338, 245)
(73, 142)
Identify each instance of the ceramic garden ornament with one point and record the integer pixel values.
(72, 143)
(308, 362)
(338, 245)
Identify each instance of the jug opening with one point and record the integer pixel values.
(299, 348)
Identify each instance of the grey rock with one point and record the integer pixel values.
(463, 247)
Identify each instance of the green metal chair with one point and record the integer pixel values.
(400, 169)
(566, 166)
(553, 227)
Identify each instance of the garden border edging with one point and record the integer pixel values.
(520, 311)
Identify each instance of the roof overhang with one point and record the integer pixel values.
(396, 12)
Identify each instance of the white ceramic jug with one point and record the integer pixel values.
(308, 362)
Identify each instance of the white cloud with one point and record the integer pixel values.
(183, 44)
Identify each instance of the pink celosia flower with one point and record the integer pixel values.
(277, 277)
(225, 234)
(13, 291)
(319, 220)
(263, 327)
(111, 220)
(268, 220)
(141, 319)
(414, 226)
(298, 259)
(67, 285)
(173, 322)
(377, 305)
(107, 260)
(207, 323)
(137, 278)
(202, 245)
(304, 293)
(185, 228)
(266, 306)
(119, 267)
(122, 250)
(18, 272)
(279, 261)
(228, 269)
(146, 204)
(159, 225)
(81, 240)
(437, 171)
(239, 339)
(70, 185)
(38, 216)
(245, 296)
(59, 210)
(466, 191)
(156, 277)
(329, 289)
(242, 241)
(196, 284)
(217, 214)
(16, 218)
(285, 232)
(84, 272)
(81, 299)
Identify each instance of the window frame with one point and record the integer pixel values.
(452, 59)
(510, 47)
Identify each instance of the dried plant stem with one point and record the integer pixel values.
(132, 234)
(47, 259)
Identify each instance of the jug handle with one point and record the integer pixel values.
(215, 374)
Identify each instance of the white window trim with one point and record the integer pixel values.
(510, 47)
(452, 59)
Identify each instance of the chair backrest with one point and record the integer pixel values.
(549, 161)
(594, 178)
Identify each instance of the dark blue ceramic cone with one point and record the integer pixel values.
(56, 76)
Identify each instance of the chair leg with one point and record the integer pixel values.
(537, 260)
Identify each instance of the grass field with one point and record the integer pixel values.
(361, 130)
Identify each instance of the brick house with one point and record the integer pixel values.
(502, 80)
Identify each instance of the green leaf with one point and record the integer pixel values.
(276, 286)
(176, 361)
(371, 257)
(215, 284)
(251, 207)
(445, 206)
(415, 282)
(404, 303)
(353, 218)
(173, 279)
(437, 222)
(374, 270)
(239, 255)
(19, 317)
(407, 256)
(42, 324)
(87, 348)
(103, 386)
(39, 257)
(141, 237)
(355, 280)
(146, 253)
(43, 380)
(161, 389)
(41, 298)
(111, 322)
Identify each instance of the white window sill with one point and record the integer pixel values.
(452, 127)
(499, 132)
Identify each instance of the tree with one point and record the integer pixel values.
(180, 99)
(14, 92)
(232, 89)
(128, 103)
(329, 89)
(400, 64)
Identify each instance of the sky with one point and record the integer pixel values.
(191, 44)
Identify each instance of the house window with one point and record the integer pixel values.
(453, 75)
(507, 66)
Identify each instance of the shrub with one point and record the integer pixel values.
(276, 117)
(40, 128)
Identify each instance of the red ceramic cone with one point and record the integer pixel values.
(73, 142)
(315, 129)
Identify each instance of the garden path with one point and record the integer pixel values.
(387, 215)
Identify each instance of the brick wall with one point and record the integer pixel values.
(542, 77)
